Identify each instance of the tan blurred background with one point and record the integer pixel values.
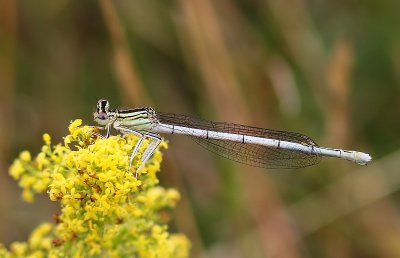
(328, 69)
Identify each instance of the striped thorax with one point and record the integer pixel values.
(138, 118)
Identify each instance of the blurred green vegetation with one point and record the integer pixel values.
(328, 69)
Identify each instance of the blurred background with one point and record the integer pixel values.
(328, 69)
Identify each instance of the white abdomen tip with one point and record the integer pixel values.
(362, 158)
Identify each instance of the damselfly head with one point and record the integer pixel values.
(101, 116)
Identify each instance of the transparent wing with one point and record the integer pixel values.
(250, 154)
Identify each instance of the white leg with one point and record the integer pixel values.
(138, 144)
(156, 140)
(108, 128)
(134, 152)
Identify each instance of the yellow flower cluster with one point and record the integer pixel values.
(105, 209)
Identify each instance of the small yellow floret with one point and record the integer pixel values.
(16, 169)
(27, 195)
(37, 236)
(74, 125)
(19, 248)
(25, 156)
(46, 138)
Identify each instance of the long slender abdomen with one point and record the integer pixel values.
(354, 156)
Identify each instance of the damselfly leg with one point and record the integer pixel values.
(155, 141)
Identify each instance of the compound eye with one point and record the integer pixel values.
(103, 105)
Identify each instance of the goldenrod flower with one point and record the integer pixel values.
(105, 209)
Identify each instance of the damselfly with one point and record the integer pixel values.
(245, 144)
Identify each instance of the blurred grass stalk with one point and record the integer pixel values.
(132, 88)
(8, 49)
